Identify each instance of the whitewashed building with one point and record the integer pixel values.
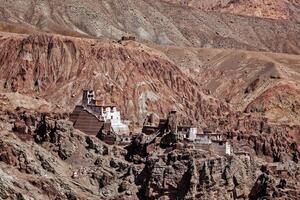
(112, 115)
(106, 113)
(187, 132)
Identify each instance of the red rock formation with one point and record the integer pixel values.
(138, 81)
(280, 102)
(42, 76)
(266, 82)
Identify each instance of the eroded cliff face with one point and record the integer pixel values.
(251, 98)
(43, 157)
(187, 173)
(184, 175)
(137, 79)
(264, 84)
(141, 78)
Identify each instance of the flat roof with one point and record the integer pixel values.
(103, 106)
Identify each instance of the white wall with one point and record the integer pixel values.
(227, 148)
(114, 117)
(192, 134)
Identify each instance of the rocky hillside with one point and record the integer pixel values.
(64, 165)
(138, 79)
(151, 21)
(243, 78)
(273, 9)
(234, 75)
(141, 78)
(43, 157)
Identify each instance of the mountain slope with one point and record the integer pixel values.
(274, 9)
(138, 79)
(144, 78)
(153, 21)
(244, 77)
(252, 99)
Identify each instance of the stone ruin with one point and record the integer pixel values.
(169, 132)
